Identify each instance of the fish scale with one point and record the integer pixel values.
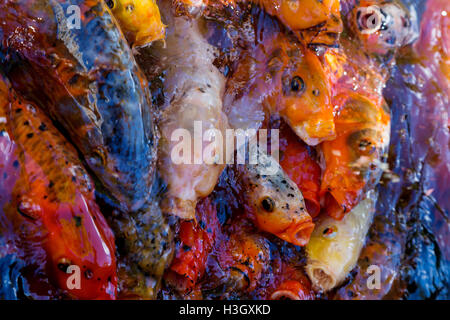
(48, 209)
(53, 163)
(93, 89)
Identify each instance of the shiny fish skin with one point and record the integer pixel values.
(92, 87)
(140, 20)
(354, 160)
(193, 89)
(145, 249)
(287, 217)
(277, 75)
(52, 206)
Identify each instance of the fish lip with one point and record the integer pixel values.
(321, 276)
(146, 39)
(298, 233)
(284, 293)
(313, 140)
(291, 289)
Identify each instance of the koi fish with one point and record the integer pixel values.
(52, 204)
(244, 258)
(145, 249)
(274, 201)
(196, 241)
(298, 164)
(335, 246)
(384, 26)
(316, 22)
(354, 160)
(281, 76)
(193, 89)
(93, 89)
(140, 20)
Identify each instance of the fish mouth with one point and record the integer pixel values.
(284, 295)
(298, 233)
(154, 33)
(184, 209)
(313, 132)
(312, 204)
(369, 19)
(290, 290)
(321, 277)
(338, 204)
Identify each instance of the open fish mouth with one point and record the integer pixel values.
(224, 149)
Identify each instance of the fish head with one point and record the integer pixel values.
(304, 98)
(78, 242)
(140, 20)
(278, 207)
(383, 26)
(250, 256)
(353, 159)
(300, 14)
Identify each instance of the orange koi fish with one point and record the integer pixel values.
(354, 159)
(140, 20)
(52, 201)
(281, 76)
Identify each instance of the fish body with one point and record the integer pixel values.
(51, 203)
(193, 89)
(196, 241)
(244, 258)
(93, 88)
(354, 160)
(317, 22)
(335, 246)
(140, 20)
(299, 165)
(145, 249)
(279, 75)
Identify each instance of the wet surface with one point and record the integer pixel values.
(409, 238)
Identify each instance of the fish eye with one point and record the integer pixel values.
(268, 204)
(330, 232)
(23, 213)
(63, 264)
(111, 3)
(130, 8)
(297, 84)
(366, 146)
(26, 209)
